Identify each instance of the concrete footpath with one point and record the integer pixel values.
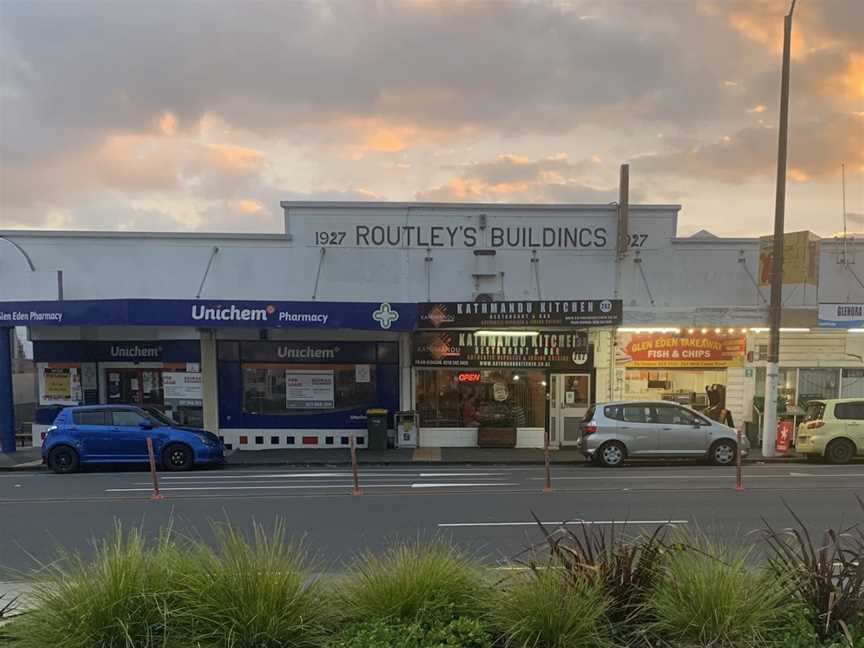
(29, 458)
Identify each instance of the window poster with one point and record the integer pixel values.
(309, 389)
(362, 374)
(59, 386)
(90, 383)
(182, 386)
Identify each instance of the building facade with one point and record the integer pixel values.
(475, 317)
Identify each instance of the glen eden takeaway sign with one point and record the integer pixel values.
(519, 314)
(841, 315)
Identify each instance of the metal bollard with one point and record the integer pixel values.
(156, 494)
(739, 484)
(547, 486)
(356, 490)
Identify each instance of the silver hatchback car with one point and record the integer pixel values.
(612, 432)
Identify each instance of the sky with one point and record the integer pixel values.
(203, 115)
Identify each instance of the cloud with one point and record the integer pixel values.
(195, 109)
(816, 149)
(79, 70)
(514, 178)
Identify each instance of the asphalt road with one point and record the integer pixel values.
(486, 509)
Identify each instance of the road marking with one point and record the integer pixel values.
(275, 487)
(647, 477)
(306, 486)
(448, 525)
(457, 485)
(320, 475)
(458, 474)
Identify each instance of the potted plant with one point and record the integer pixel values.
(496, 427)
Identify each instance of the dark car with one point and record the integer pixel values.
(111, 434)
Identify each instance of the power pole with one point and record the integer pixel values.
(772, 373)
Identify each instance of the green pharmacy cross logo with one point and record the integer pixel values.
(385, 315)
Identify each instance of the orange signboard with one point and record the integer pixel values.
(671, 350)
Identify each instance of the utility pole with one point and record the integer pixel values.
(772, 373)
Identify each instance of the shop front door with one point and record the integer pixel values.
(135, 386)
(570, 398)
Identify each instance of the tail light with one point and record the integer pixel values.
(813, 425)
(589, 428)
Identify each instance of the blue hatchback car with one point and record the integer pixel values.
(118, 434)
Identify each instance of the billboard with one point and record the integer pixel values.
(800, 258)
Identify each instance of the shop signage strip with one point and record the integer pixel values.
(211, 313)
(307, 352)
(519, 314)
(132, 351)
(562, 350)
(680, 350)
(841, 315)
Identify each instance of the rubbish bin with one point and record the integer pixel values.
(376, 426)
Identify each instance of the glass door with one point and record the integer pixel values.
(134, 386)
(572, 400)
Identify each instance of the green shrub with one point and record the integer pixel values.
(826, 574)
(627, 568)
(251, 593)
(120, 599)
(712, 598)
(429, 577)
(551, 609)
(458, 633)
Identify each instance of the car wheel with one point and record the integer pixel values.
(722, 453)
(63, 460)
(177, 457)
(611, 454)
(840, 451)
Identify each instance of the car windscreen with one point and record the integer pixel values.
(159, 418)
(815, 410)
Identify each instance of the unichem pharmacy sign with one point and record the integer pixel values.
(841, 315)
(202, 313)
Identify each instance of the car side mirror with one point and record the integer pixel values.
(145, 426)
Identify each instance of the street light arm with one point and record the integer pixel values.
(21, 250)
(792, 8)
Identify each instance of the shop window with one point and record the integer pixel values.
(816, 384)
(688, 387)
(852, 383)
(388, 352)
(298, 389)
(469, 398)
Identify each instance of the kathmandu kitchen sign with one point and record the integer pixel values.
(680, 350)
